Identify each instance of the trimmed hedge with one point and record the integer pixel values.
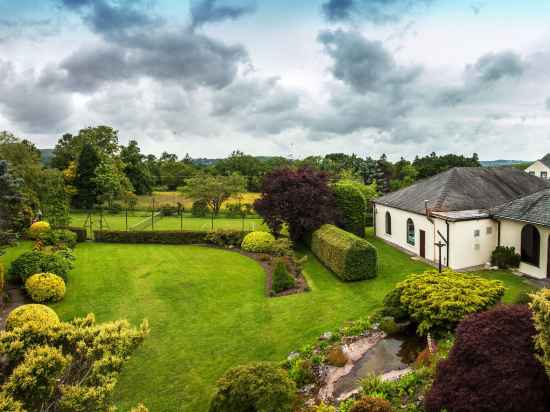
(352, 206)
(81, 233)
(347, 255)
(29, 263)
(186, 237)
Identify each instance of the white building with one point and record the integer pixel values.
(541, 168)
(455, 210)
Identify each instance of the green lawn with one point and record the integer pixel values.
(208, 312)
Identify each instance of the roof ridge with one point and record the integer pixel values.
(446, 189)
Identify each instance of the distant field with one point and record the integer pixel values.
(172, 198)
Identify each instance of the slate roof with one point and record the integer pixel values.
(465, 188)
(546, 160)
(534, 208)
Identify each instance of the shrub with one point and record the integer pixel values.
(199, 208)
(492, 366)
(336, 356)
(38, 228)
(388, 325)
(540, 305)
(371, 404)
(505, 257)
(348, 256)
(168, 210)
(438, 301)
(8, 404)
(258, 387)
(58, 237)
(301, 372)
(393, 306)
(2, 283)
(523, 297)
(29, 263)
(39, 314)
(352, 206)
(282, 247)
(225, 238)
(81, 233)
(258, 242)
(185, 237)
(45, 287)
(282, 280)
(323, 407)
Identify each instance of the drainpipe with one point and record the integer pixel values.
(431, 220)
(448, 243)
(374, 218)
(498, 224)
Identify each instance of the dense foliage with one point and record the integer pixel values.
(393, 306)
(282, 280)
(65, 366)
(29, 263)
(87, 191)
(371, 404)
(185, 237)
(14, 212)
(540, 305)
(348, 256)
(299, 198)
(58, 238)
(45, 287)
(38, 228)
(260, 387)
(352, 206)
(259, 242)
(41, 315)
(492, 366)
(200, 208)
(505, 257)
(438, 301)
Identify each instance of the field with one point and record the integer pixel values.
(173, 198)
(208, 312)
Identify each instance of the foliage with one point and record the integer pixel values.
(393, 306)
(259, 242)
(59, 238)
(348, 256)
(41, 315)
(225, 238)
(45, 287)
(67, 366)
(2, 283)
(505, 257)
(110, 182)
(185, 237)
(282, 280)
(259, 387)
(492, 366)
(433, 164)
(336, 356)
(168, 210)
(29, 263)
(540, 305)
(438, 301)
(523, 297)
(53, 198)
(85, 183)
(199, 208)
(352, 206)
(323, 407)
(81, 233)
(14, 212)
(38, 228)
(371, 404)
(136, 169)
(299, 198)
(301, 372)
(389, 326)
(238, 209)
(282, 247)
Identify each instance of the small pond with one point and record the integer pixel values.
(390, 354)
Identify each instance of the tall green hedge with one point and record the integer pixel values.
(347, 255)
(352, 206)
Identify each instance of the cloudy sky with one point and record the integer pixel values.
(294, 78)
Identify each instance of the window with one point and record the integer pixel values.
(532, 173)
(476, 233)
(530, 245)
(544, 175)
(489, 230)
(388, 223)
(410, 232)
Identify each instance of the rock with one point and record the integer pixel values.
(292, 356)
(307, 389)
(326, 336)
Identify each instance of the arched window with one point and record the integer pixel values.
(411, 234)
(530, 245)
(388, 223)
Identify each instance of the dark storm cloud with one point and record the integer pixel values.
(375, 11)
(210, 11)
(365, 65)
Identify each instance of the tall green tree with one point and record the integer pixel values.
(136, 169)
(53, 198)
(110, 182)
(14, 211)
(87, 192)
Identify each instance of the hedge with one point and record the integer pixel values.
(352, 206)
(347, 255)
(186, 237)
(81, 233)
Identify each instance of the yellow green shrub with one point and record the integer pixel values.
(260, 242)
(33, 313)
(2, 281)
(37, 228)
(45, 287)
(540, 306)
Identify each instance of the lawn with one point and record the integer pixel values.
(206, 317)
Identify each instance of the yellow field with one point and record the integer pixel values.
(172, 198)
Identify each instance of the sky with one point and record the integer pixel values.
(291, 78)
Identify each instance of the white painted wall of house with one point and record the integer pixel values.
(537, 168)
(510, 235)
(467, 249)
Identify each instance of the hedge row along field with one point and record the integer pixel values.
(186, 237)
(348, 256)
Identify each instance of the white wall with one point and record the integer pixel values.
(467, 249)
(510, 235)
(537, 168)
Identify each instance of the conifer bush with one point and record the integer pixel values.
(282, 280)
(45, 287)
(29, 263)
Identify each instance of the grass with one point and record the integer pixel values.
(173, 198)
(208, 312)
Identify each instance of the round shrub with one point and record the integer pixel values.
(58, 237)
(199, 208)
(38, 228)
(393, 306)
(260, 242)
(492, 366)
(258, 387)
(352, 206)
(45, 287)
(29, 263)
(31, 313)
(371, 404)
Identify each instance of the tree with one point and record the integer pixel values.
(14, 211)
(492, 366)
(248, 166)
(299, 198)
(53, 198)
(214, 190)
(136, 169)
(173, 173)
(110, 182)
(87, 192)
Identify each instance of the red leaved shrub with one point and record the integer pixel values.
(492, 366)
